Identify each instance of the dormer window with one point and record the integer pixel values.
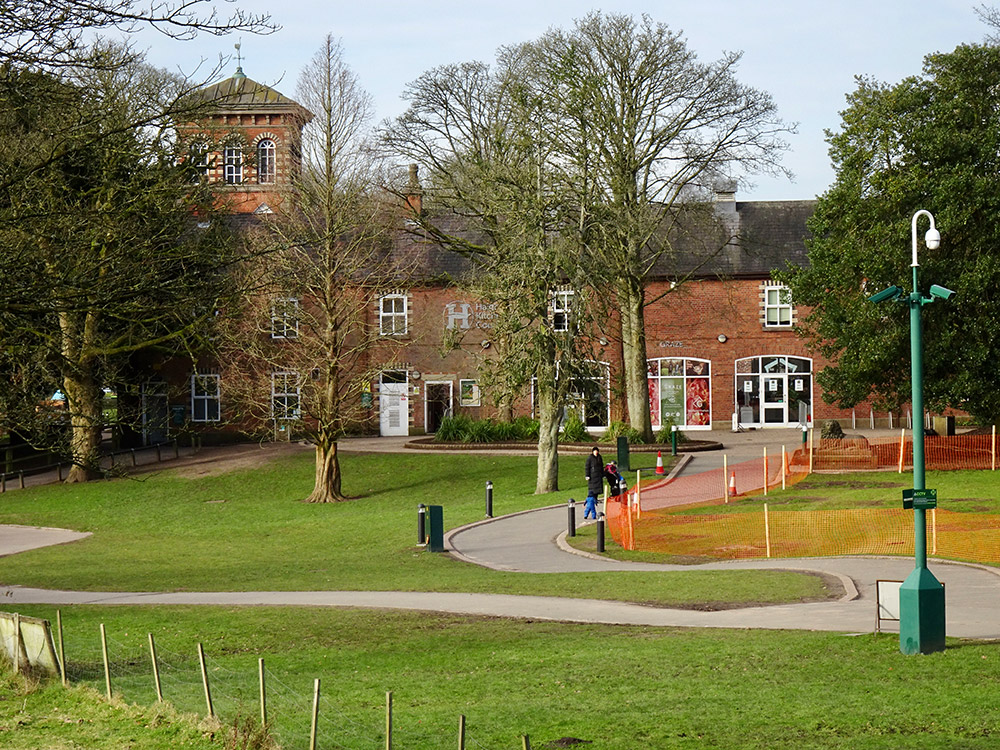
(267, 167)
(232, 168)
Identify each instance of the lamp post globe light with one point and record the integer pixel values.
(921, 597)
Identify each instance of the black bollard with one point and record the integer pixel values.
(421, 524)
(673, 440)
(571, 508)
(600, 532)
(489, 499)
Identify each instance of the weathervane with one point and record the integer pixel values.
(239, 60)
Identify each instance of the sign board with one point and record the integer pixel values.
(886, 602)
(919, 499)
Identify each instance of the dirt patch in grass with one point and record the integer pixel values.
(222, 459)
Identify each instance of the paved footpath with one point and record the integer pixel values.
(530, 542)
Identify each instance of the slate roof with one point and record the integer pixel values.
(747, 239)
(241, 93)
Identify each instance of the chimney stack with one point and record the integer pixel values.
(414, 193)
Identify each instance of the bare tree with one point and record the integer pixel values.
(302, 341)
(478, 134)
(643, 129)
(58, 33)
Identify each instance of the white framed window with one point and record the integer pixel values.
(777, 306)
(205, 404)
(267, 167)
(285, 318)
(589, 397)
(392, 315)
(285, 396)
(232, 165)
(562, 306)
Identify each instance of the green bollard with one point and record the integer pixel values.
(623, 454)
(435, 534)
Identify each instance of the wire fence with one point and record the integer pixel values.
(240, 691)
(657, 516)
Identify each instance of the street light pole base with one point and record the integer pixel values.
(921, 613)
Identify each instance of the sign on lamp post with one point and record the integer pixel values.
(921, 596)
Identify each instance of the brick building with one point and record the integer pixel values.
(721, 345)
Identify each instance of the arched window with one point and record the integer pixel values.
(680, 392)
(267, 168)
(774, 391)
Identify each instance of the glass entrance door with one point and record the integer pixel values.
(773, 391)
(775, 401)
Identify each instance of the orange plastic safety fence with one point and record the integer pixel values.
(646, 518)
(940, 453)
(624, 515)
(863, 531)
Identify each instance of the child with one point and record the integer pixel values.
(617, 483)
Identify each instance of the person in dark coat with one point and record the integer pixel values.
(595, 482)
(616, 482)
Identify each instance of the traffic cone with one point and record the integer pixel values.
(659, 463)
(732, 484)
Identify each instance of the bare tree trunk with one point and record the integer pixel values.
(548, 440)
(634, 361)
(83, 399)
(327, 486)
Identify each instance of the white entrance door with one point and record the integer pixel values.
(393, 409)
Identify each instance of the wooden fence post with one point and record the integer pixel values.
(388, 720)
(107, 666)
(156, 669)
(315, 716)
(902, 447)
(17, 642)
(765, 471)
(767, 532)
(263, 694)
(204, 679)
(725, 476)
(62, 652)
(784, 456)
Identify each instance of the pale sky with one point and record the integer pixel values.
(805, 53)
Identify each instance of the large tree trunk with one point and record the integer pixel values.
(548, 440)
(634, 361)
(83, 398)
(327, 485)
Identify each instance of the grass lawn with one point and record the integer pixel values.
(961, 491)
(247, 530)
(615, 687)
(34, 716)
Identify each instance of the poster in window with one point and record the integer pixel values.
(654, 401)
(697, 403)
(468, 393)
(672, 400)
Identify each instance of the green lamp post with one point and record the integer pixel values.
(921, 597)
